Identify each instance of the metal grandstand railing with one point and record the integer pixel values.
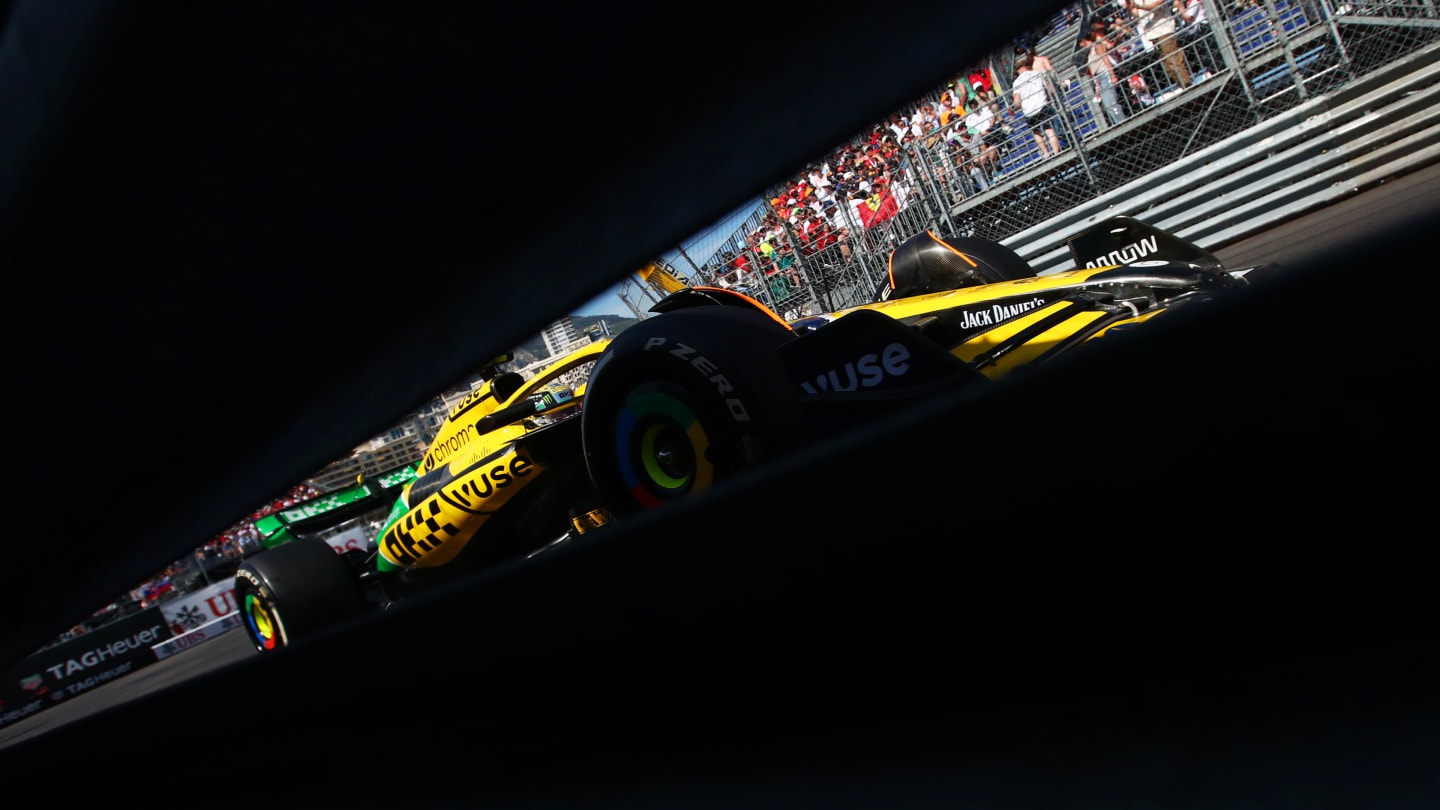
(1271, 68)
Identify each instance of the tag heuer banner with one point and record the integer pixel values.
(61, 672)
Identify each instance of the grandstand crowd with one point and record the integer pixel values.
(972, 132)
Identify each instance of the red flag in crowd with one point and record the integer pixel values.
(878, 207)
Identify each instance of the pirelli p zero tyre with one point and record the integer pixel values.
(684, 400)
(293, 590)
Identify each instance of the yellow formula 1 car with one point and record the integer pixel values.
(502, 479)
(711, 385)
(717, 383)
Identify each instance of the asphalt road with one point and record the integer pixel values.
(1316, 234)
(1323, 232)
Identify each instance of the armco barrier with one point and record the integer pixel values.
(1383, 125)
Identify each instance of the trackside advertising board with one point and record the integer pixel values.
(198, 608)
(81, 664)
(201, 634)
(198, 617)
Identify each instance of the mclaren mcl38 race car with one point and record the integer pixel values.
(713, 384)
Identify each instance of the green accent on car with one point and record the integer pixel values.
(397, 511)
(333, 508)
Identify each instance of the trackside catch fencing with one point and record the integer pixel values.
(1275, 107)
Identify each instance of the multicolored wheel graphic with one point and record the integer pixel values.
(262, 628)
(295, 590)
(681, 403)
(664, 452)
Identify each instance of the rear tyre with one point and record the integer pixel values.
(685, 400)
(293, 591)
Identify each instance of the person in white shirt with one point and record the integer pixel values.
(1032, 96)
(1194, 12)
(899, 125)
(824, 189)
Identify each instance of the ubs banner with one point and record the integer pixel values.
(81, 664)
(199, 608)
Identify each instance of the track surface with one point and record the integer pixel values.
(1315, 234)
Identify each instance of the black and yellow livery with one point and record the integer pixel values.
(713, 384)
(718, 383)
(503, 478)
(479, 465)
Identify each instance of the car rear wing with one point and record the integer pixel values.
(1125, 240)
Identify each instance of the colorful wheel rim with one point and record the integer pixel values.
(663, 449)
(262, 627)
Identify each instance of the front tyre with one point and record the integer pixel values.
(685, 400)
(293, 591)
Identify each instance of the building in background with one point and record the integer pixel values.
(406, 442)
(559, 336)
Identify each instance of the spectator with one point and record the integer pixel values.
(1140, 90)
(1121, 32)
(899, 125)
(870, 161)
(1195, 41)
(875, 206)
(980, 80)
(792, 211)
(890, 152)
(1099, 65)
(856, 203)
(1156, 19)
(951, 108)
(988, 135)
(987, 96)
(858, 182)
(820, 182)
(745, 276)
(741, 267)
(968, 150)
(838, 227)
(814, 236)
(765, 248)
(1032, 96)
(785, 262)
(917, 126)
(1193, 13)
(929, 118)
(1040, 63)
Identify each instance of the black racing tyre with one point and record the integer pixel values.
(293, 590)
(684, 400)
